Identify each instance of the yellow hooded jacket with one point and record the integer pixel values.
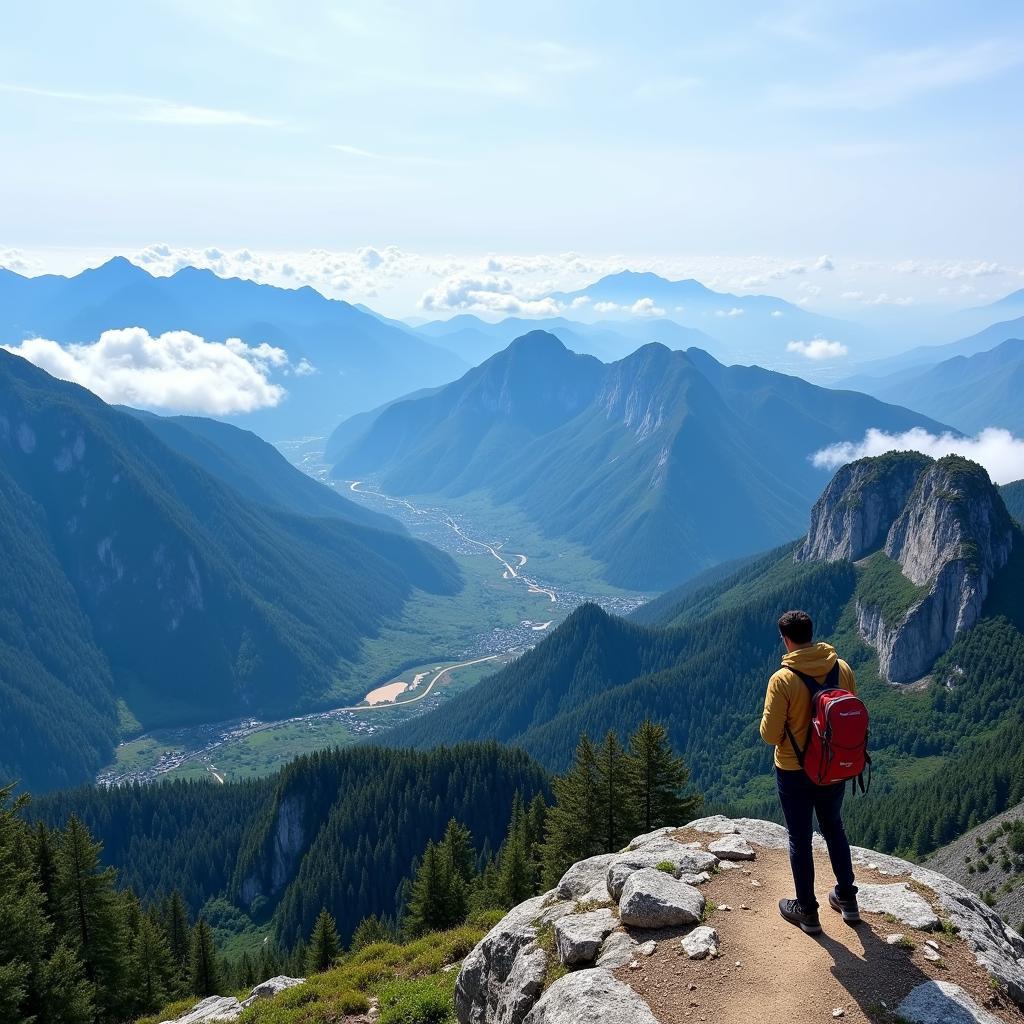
(788, 701)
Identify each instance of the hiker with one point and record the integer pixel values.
(786, 724)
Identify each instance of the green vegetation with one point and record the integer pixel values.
(882, 585)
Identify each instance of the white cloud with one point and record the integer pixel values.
(818, 348)
(606, 307)
(176, 371)
(646, 307)
(996, 449)
(824, 263)
(735, 311)
(580, 302)
(777, 313)
(484, 294)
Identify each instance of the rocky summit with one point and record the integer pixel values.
(935, 532)
(622, 940)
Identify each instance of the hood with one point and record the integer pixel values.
(816, 660)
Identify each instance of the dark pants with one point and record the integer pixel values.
(800, 799)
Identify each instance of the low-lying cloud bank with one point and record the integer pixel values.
(996, 449)
(176, 371)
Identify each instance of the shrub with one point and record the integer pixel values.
(420, 1001)
(484, 919)
(667, 866)
(362, 976)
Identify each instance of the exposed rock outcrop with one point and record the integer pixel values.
(214, 1009)
(506, 979)
(945, 528)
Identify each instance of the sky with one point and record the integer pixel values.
(410, 155)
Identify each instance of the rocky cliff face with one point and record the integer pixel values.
(944, 525)
(637, 936)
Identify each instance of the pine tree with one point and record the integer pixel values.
(657, 779)
(429, 899)
(205, 973)
(151, 970)
(324, 946)
(370, 930)
(618, 816)
(457, 846)
(573, 825)
(516, 881)
(89, 915)
(179, 935)
(45, 857)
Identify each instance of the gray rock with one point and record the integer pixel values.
(701, 942)
(271, 987)
(489, 984)
(941, 1002)
(894, 938)
(766, 834)
(684, 859)
(590, 997)
(717, 824)
(654, 899)
(584, 875)
(699, 879)
(522, 988)
(617, 951)
(899, 900)
(647, 837)
(578, 937)
(212, 1008)
(931, 954)
(734, 847)
(648, 948)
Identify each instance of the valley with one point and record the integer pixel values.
(502, 612)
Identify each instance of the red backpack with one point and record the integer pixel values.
(836, 746)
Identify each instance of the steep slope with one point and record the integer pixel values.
(969, 391)
(660, 465)
(1013, 498)
(257, 470)
(460, 437)
(143, 579)
(359, 360)
(700, 667)
(337, 829)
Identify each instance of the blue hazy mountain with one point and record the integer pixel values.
(870, 374)
(139, 582)
(747, 326)
(360, 359)
(475, 340)
(969, 391)
(660, 464)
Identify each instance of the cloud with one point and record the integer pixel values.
(176, 371)
(818, 348)
(777, 313)
(824, 263)
(735, 311)
(996, 449)
(485, 294)
(646, 307)
(147, 108)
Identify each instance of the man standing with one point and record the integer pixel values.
(787, 715)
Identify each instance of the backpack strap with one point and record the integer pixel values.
(828, 683)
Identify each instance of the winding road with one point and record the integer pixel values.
(510, 571)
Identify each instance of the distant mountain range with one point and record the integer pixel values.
(870, 374)
(699, 663)
(475, 340)
(660, 464)
(169, 572)
(969, 391)
(359, 360)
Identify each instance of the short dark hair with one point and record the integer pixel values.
(797, 626)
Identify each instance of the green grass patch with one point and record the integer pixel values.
(882, 585)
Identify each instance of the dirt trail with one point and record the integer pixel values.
(786, 976)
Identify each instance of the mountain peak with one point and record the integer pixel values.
(937, 533)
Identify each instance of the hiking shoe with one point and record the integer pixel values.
(795, 914)
(848, 907)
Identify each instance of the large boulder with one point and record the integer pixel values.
(898, 899)
(211, 1009)
(578, 937)
(617, 950)
(654, 899)
(491, 984)
(684, 860)
(584, 876)
(733, 847)
(590, 997)
(274, 986)
(941, 1002)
